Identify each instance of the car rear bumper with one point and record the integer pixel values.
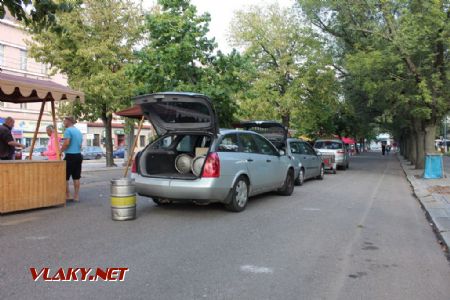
(205, 189)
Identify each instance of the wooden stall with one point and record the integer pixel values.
(30, 184)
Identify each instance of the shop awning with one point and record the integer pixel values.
(134, 112)
(20, 89)
(349, 141)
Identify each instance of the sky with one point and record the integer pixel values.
(221, 14)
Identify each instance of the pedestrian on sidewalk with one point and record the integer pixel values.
(7, 143)
(51, 146)
(73, 140)
(388, 149)
(383, 149)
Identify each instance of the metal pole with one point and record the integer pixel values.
(445, 134)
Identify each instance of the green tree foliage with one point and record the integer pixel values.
(179, 56)
(93, 45)
(38, 13)
(291, 78)
(395, 54)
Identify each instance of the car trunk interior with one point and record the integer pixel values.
(160, 158)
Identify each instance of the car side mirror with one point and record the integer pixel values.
(282, 152)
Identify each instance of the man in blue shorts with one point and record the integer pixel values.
(73, 140)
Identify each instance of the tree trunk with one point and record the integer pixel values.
(412, 153)
(286, 120)
(420, 145)
(107, 123)
(430, 136)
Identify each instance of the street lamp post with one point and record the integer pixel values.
(445, 134)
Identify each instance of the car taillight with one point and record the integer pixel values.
(134, 167)
(341, 152)
(211, 169)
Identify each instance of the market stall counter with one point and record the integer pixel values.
(28, 184)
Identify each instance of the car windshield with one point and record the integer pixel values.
(329, 145)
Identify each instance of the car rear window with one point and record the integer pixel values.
(329, 145)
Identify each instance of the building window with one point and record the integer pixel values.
(2, 55)
(23, 59)
(142, 141)
(23, 106)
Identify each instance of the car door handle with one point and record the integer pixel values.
(268, 161)
(250, 160)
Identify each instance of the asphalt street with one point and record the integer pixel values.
(359, 234)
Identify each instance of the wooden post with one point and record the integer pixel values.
(33, 142)
(56, 141)
(131, 154)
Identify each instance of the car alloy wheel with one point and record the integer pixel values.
(301, 177)
(288, 187)
(322, 173)
(241, 193)
(238, 196)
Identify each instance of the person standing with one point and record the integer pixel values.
(51, 146)
(71, 147)
(7, 143)
(383, 149)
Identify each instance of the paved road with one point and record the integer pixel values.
(356, 235)
(94, 164)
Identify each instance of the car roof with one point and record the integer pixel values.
(330, 140)
(227, 131)
(294, 140)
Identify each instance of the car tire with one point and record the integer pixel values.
(322, 173)
(347, 166)
(334, 171)
(301, 178)
(160, 202)
(98, 156)
(288, 186)
(238, 198)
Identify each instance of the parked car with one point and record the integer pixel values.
(277, 134)
(92, 152)
(310, 163)
(338, 148)
(195, 161)
(119, 152)
(36, 153)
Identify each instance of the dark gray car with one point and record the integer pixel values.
(310, 164)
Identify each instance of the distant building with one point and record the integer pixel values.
(382, 138)
(15, 60)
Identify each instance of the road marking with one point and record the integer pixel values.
(37, 238)
(256, 269)
(311, 209)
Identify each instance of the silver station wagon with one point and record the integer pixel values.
(192, 160)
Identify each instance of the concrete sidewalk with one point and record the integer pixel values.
(434, 196)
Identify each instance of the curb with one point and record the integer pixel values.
(437, 210)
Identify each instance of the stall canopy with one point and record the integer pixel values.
(20, 89)
(349, 141)
(134, 112)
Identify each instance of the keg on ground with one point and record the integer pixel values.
(123, 199)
